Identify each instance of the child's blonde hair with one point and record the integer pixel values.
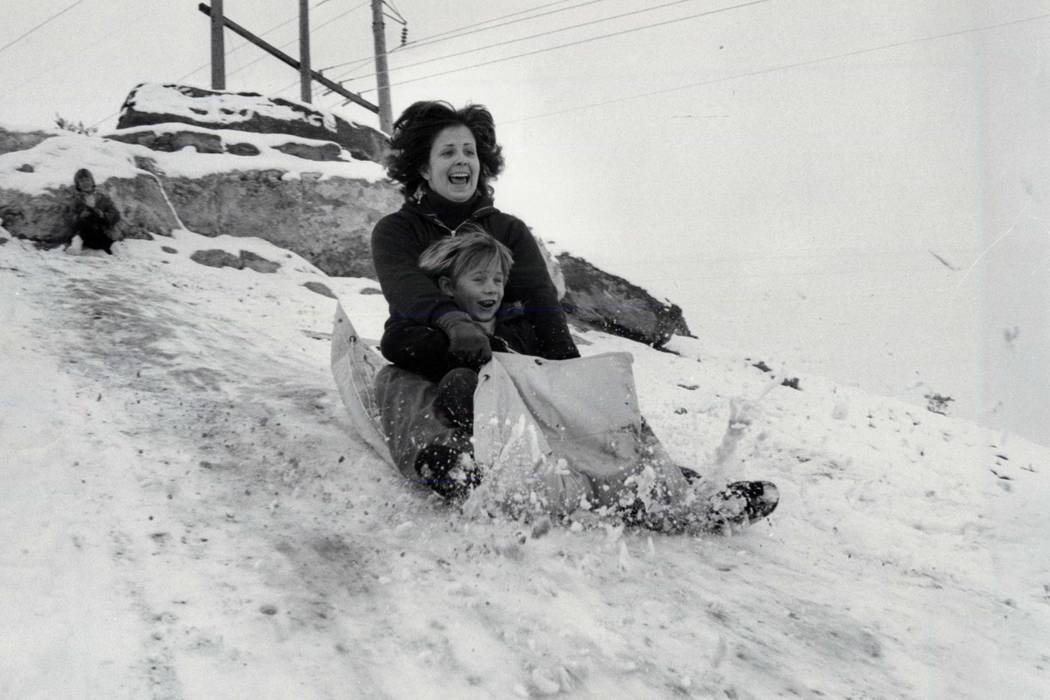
(470, 248)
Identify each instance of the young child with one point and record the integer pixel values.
(472, 268)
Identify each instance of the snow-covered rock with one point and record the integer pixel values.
(225, 141)
(600, 300)
(326, 220)
(153, 104)
(36, 189)
(323, 211)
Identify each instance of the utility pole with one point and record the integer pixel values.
(386, 119)
(289, 61)
(305, 82)
(218, 48)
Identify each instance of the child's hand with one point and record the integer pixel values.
(469, 344)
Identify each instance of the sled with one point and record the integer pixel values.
(354, 367)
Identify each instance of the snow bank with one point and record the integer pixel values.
(54, 161)
(187, 514)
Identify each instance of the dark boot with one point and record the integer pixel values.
(741, 503)
(691, 475)
(455, 398)
(449, 469)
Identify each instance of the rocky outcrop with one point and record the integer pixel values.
(244, 260)
(320, 288)
(20, 140)
(43, 218)
(216, 258)
(174, 139)
(322, 151)
(597, 299)
(327, 221)
(171, 141)
(143, 207)
(150, 103)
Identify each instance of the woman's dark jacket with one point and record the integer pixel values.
(399, 238)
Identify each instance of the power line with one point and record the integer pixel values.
(285, 45)
(452, 33)
(775, 69)
(427, 39)
(400, 18)
(78, 57)
(581, 41)
(243, 44)
(532, 36)
(46, 21)
(320, 70)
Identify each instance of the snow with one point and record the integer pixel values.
(56, 159)
(187, 513)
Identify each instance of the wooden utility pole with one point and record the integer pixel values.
(288, 60)
(304, 51)
(386, 119)
(218, 48)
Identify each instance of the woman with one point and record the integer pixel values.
(444, 159)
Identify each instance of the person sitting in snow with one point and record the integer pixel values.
(471, 268)
(94, 217)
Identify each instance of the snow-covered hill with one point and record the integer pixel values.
(187, 514)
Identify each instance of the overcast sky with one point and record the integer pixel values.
(751, 161)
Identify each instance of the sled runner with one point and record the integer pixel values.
(354, 366)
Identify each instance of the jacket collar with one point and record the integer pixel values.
(422, 204)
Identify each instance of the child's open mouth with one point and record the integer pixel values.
(487, 304)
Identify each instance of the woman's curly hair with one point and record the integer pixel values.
(418, 126)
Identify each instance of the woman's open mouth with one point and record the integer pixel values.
(459, 178)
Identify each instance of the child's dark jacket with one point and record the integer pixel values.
(103, 214)
(423, 349)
